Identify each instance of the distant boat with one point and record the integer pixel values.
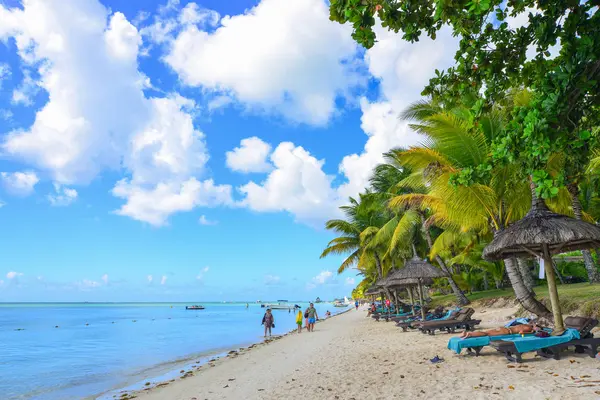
(196, 307)
(341, 303)
(280, 305)
(318, 300)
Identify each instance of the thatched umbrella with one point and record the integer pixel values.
(542, 233)
(372, 291)
(419, 270)
(397, 283)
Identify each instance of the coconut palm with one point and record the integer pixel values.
(361, 214)
(455, 141)
(407, 228)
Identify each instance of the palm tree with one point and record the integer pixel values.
(408, 224)
(455, 141)
(361, 216)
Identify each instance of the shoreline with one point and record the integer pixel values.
(352, 356)
(186, 369)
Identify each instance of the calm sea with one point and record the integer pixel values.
(74, 350)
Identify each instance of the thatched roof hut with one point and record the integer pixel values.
(541, 227)
(542, 233)
(418, 269)
(415, 272)
(372, 291)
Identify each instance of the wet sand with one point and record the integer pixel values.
(354, 357)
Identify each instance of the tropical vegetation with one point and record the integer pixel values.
(515, 120)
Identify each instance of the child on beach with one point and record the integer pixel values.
(299, 321)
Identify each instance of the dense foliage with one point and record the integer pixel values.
(555, 53)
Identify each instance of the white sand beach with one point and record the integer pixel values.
(354, 357)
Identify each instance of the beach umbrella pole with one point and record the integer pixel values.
(421, 300)
(412, 300)
(553, 290)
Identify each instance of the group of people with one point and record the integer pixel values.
(310, 316)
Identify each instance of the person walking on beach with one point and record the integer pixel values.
(356, 305)
(312, 317)
(299, 320)
(268, 321)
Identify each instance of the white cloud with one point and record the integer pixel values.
(2, 204)
(205, 221)
(154, 205)
(297, 185)
(350, 281)
(87, 284)
(13, 275)
(4, 73)
(26, 90)
(19, 183)
(200, 276)
(105, 279)
(251, 156)
(272, 279)
(122, 39)
(163, 280)
(62, 196)
(298, 73)
(192, 14)
(94, 91)
(323, 277)
(6, 115)
(97, 116)
(163, 159)
(403, 69)
(149, 278)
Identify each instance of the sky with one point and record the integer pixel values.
(189, 150)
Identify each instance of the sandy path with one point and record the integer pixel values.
(353, 357)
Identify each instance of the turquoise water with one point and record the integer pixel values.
(99, 347)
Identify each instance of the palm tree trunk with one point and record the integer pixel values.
(486, 284)
(590, 267)
(379, 266)
(526, 274)
(524, 296)
(380, 275)
(460, 296)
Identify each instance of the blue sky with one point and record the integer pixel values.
(179, 150)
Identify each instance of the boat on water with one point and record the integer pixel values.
(196, 307)
(341, 303)
(318, 300)
(280, 305)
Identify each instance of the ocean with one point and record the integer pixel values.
(59, 351)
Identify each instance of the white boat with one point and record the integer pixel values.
(280, 305)
(341, 303)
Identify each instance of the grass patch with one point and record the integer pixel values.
(581, 297)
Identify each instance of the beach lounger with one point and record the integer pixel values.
(578, 335)
(436, 315)
(462, 320)
(474, 345)
(439, 312)
(404, 311)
